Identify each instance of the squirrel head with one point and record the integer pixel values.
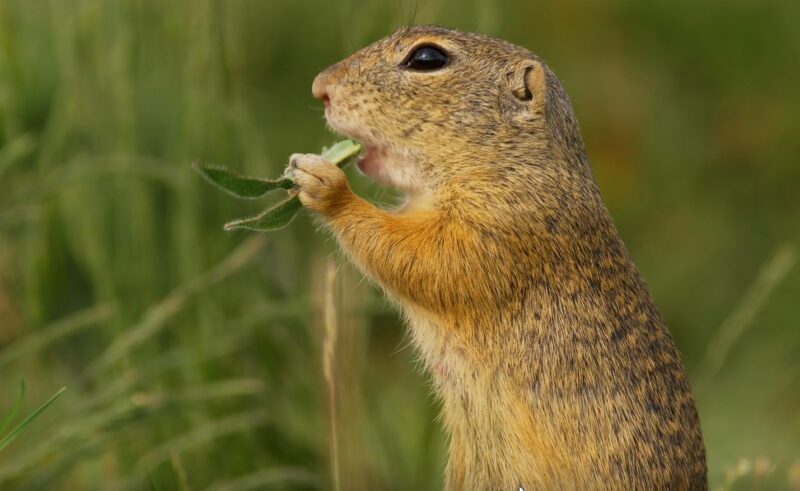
(434, 105)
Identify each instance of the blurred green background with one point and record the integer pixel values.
(194, 358)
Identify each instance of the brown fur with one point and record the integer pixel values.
(554, 367)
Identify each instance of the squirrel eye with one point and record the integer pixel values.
(426, 58)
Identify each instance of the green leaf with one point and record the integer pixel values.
(15, 408)
(255, 187)
(280, 215)
(238, 185)
(341, 153)
(274, 218)
(16, 431)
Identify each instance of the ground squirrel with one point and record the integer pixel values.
(554, 368)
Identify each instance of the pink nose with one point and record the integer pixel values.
(319, 89)
(325, 99)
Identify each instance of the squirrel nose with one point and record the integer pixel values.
(319, 89)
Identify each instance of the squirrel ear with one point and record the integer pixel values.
(527, 81)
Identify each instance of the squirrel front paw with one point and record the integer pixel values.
(322, 185)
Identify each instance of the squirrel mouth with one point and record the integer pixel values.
(379, 162)
(376, 162)
(383, 165)
(370, 162)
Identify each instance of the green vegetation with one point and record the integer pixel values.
(280, 215)
(13, 434)
(194, 357)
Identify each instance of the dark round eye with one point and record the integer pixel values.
(426, 58)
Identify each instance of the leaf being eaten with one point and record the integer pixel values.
(271, 219)
(281, 214)
(238, 185)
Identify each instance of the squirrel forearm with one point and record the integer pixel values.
(405, 253)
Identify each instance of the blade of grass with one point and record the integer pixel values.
(769, 276)
(41, 339)
(329, 364)
(194, 354)
(138, 410)
(16, 431)
(194, 438)
(15, 150)
(263, 478)
(77, 171)
(15, 407)
(180, 471)
(156, 317)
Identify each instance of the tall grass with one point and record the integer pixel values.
(194, 357)
(12, 435)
